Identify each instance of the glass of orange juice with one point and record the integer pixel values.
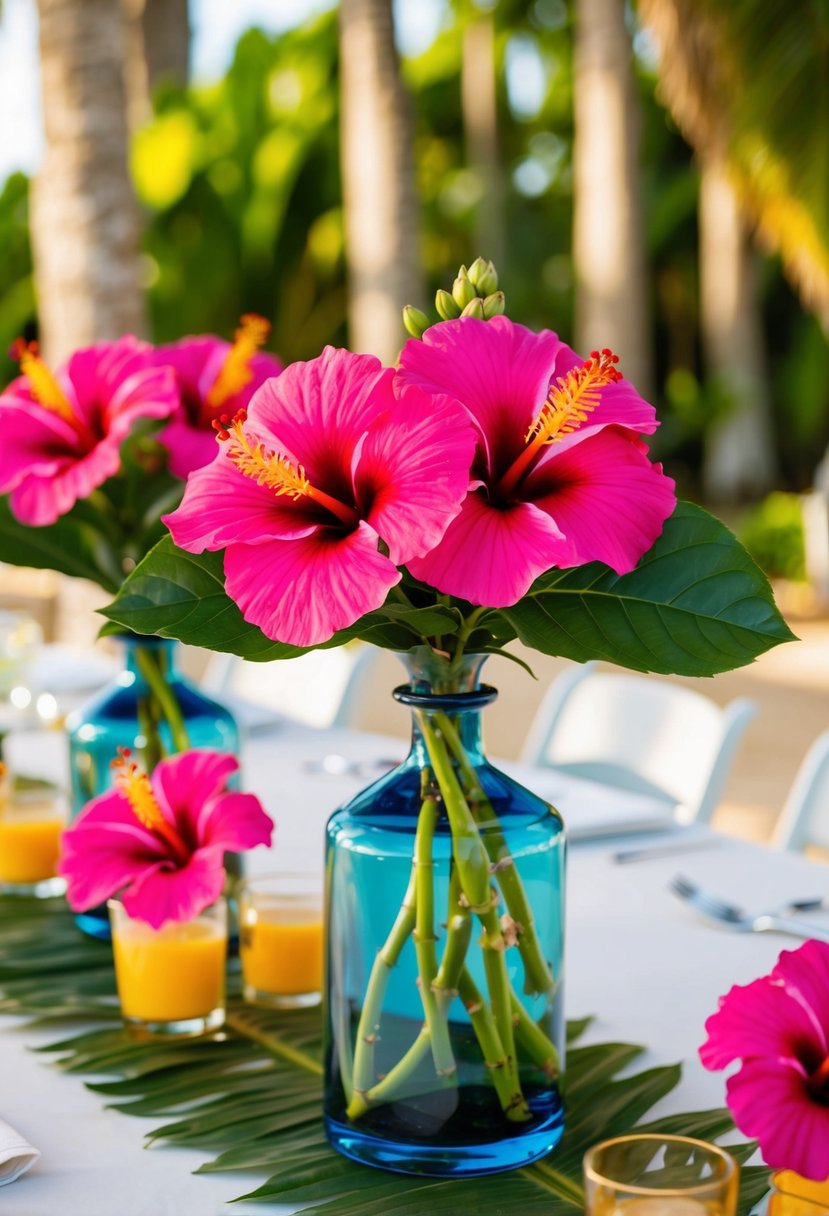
(30, 828)
(792, 1195)
(280, 939)
(656, 1175)
(171, 981)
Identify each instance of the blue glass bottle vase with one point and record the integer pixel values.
(445, 902)
(150, 708)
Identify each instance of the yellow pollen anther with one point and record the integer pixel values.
(572, 398)
(236, 371)
(266, 468)
(135, 784)
(44, 387)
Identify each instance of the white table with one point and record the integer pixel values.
(636, 957)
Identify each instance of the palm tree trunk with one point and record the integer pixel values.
(480, 126)
(608, 242)
(739, 452)
(84, 214)
(158, 51)
(381, 207)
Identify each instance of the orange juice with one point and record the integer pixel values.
(795, 1196)
(281, 949)
(170, 974)
(29, 841)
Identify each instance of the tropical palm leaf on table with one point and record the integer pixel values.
(253, 1095)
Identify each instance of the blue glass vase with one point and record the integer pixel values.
(445, 913)
(153, 710)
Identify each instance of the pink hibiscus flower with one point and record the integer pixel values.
(560, 476)
(62, 432)
(161, 839)
(779, 1028)
(322, 489)
(214, 378)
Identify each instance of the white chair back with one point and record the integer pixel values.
(641, 733)
(804, 819)
(319, 688)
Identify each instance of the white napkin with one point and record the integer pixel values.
(16, 1156)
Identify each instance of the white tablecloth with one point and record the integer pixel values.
(636, 957)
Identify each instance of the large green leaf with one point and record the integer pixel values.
(252, 1095)
(181, 595)
(695, 605)
(73, 545)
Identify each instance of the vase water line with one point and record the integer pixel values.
(445, 890)
(152, 710)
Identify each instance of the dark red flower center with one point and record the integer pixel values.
(818, 1083)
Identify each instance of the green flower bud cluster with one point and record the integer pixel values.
(474, 294)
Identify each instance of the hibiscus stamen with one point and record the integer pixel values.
(42, 382)
(134, 783)
(236, 371)
(273, 469)
(569, 402)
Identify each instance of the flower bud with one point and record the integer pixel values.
(462, 289)
(475, 308)
(487, 280)
(415, 321)
(494, 305)
(446, 306)
(477, 268)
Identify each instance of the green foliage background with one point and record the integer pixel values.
(239, 182)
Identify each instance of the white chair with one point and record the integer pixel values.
(321, 688)
(804, 819)
(640, 734)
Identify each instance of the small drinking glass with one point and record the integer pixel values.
(171, 981)
(792, 1195)
(654, 1175)
(281, 939)
(30, 828)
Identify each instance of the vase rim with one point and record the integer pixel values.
(476, 698)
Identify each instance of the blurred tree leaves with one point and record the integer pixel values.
(240, 185)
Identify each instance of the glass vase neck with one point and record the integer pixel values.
(161, 650)
(449, 696)
(432, 674)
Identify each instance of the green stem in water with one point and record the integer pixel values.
(161, 690)
(537, 975)
(495, 1058)
(445, 988)
(473, 867)
(424, 933)
(533, 1041)
(152, 750)
(367, 1030)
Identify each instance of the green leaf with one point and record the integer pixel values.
(73, 545)
(252, 1095)
(181, 595)
(695, 605)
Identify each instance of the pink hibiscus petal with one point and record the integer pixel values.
(769, 1101)
(41, 499)
(498, 370)
(235, 822)
(317, 412)
(303, 591)
(104, 850)
(606, 497)
(43, 441)
(221, 507)
(804, 974)
(488, 555)
(163, 893)
(756, 1020)
(413, 470)
(190, 439)
(185, 783)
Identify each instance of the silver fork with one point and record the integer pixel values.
(782, 920)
